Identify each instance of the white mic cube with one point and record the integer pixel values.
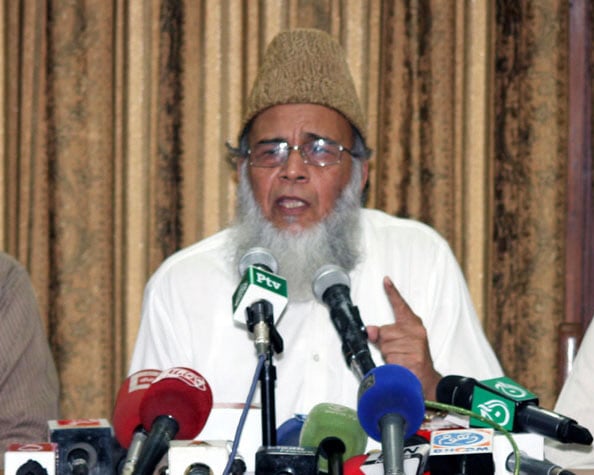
(35, 456)
(183, 454)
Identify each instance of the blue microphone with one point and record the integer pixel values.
(288, 432)
(391, 408)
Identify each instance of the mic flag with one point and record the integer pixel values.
(259, 281)
(461, 450)
(512, 406)
(84, 445)
(197, 457)
(31, 459)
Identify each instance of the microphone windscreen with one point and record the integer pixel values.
(182, 394)
(390, 389)
(287, 434)
(353, 465)
(455, 390)
(334, 420)
(258, 256)
(126, 412)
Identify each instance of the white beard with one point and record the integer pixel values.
(335, 240)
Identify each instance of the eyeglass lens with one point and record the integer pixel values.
(318, 152)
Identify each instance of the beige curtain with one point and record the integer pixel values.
(114, 117)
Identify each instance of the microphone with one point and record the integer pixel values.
(391, 408)
(30, 458)
(335, 430)
(127, 425)
(199, 469)
(281, 460)
(31, 467)
(511, 406)
(416, 460)
(199, 457)
(259, 281)
(331, 285)
(176, 405)
(288, 432)
(531, 466)
(85, 446)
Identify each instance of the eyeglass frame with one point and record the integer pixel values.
(363, 152)
(287, 148)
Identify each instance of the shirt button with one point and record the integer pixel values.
(316, 357)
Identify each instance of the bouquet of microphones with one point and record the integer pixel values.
(158, 415)
(391, 407)
(152, 409)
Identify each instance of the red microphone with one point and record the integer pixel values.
(175, 406)
(352, 466)
(126, 412)
(126, 417)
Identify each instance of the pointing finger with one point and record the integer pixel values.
(399, 305)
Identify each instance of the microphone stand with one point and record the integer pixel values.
(260, 321)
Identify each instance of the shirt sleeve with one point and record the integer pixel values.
(575, 402)
(29, 388)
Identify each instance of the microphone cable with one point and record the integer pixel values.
(465, 412)
(244, 413)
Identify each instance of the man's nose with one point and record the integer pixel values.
(295, 168)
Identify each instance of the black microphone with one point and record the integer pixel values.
(531, 466)
(331, 285)
(31, 467)
(511, 406)
(198, 468)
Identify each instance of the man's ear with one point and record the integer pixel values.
(364, 174)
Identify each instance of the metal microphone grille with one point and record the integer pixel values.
(259, 257)
(327, 276)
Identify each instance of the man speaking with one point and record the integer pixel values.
(302, 162)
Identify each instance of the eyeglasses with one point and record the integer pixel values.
(319, 152)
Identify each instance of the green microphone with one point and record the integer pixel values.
(335, 432)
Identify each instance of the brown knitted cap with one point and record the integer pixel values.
(305, 66)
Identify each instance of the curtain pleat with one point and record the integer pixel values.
(530, 146)
(115, 114)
